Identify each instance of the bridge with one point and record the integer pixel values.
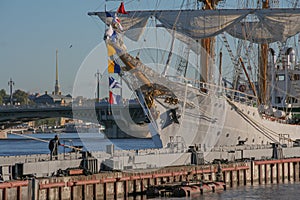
(120, 121)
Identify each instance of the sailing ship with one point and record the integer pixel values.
(206, 111)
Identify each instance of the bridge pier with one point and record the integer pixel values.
(112, 131)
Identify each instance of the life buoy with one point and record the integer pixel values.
(242, 88)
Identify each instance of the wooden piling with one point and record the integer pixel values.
(245, 176)
(266, 173)
(116, 185)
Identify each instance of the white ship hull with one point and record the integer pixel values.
(215, 135)
(218, 122)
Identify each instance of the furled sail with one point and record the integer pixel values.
(199, 24)
(272, 24)
(133, 23)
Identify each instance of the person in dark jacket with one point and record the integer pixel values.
(53, 147)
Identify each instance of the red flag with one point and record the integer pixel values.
(121, 9)
(112, 98)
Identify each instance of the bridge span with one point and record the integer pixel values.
(120, 121)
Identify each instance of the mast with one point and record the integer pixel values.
(207, 44)
(263, 64)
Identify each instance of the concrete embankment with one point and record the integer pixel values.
(113, 185)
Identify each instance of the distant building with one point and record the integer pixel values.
(32, 97)
(53, 99)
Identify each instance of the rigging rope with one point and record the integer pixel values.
(255, 124)
(264, 130)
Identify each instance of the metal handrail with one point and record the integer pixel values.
(245, 98)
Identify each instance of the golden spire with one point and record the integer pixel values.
(56, 87)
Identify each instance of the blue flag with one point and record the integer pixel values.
(113, 83)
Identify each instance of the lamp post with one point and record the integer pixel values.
(11, 83)
(98, 75)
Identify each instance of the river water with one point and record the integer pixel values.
(24, 145)
(272, 191)
(27, 144)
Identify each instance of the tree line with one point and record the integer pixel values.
(18, 96)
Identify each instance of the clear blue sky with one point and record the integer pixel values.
(31, 31)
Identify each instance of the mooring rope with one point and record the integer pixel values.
(46, 141)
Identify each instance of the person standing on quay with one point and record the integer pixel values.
(53, 147)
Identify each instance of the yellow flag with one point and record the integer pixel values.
(110, 50)
(111, 66)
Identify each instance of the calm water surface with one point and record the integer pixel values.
(26, 144)
(274, 192)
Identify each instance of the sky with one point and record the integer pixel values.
(30, 33)
(32, 30)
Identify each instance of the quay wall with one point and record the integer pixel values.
(124, 185)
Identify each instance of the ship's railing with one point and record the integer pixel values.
(218, 90)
